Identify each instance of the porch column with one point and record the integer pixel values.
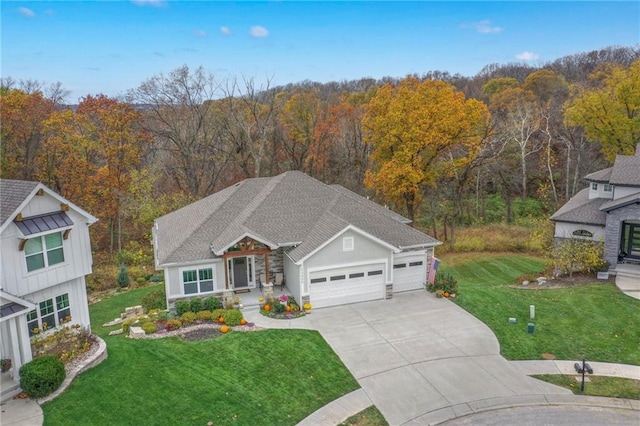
(225, 261)
(266, 267)
(16, 355)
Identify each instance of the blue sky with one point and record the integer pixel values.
(111, 46)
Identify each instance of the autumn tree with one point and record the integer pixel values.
(420, 131)
(610, 111)
(22, 115)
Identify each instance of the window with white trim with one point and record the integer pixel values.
(347, 244)
(594, 186)
(196, 281)
(607, 188)
(46, 250)
(48, 314)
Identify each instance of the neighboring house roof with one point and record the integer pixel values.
(291, 209)
(579, 209)
(626, 170)
(601, 176)
(621, 202)
(15, 194)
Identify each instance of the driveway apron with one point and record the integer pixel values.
(416, 353)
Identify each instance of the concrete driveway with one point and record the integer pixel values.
(415, 355)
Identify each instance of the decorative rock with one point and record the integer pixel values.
(541, 282)
(541, 279)
(114, 322)
(136, 332)
(525, 282)
(132, 311)
(115, 332)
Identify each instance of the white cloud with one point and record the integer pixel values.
(225, 30)
(258, 32)
(26, 12)
(154, 3)
(199, 33)
(483, 27)
(527, 56)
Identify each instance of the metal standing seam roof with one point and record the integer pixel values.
(291, 208)
(44, 222)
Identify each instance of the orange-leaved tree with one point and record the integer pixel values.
(420, 132)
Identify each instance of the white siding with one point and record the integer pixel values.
(78, 304)
(173, 281)
(623, 191)
(565, 230)
(292, 278)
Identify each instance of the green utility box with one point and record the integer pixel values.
(531, 328)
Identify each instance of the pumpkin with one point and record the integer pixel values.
(446, 294)
(243, 321)
(221, 320)
(288, 308)
(267, 308)
(224, 329)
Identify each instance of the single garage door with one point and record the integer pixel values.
(340, 286)
(409, 273)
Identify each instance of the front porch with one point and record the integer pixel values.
(250, 298)
(628, 278)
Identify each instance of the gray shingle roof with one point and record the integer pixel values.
(601, 176)
(12, 194)
(626, 171)
(579, 209)
(291, 208)
(620, 202)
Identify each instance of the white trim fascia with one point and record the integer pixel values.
(271, 245)
(426, 245)
(292, 244)
(91, 219)
(393, 248)
(191, 263)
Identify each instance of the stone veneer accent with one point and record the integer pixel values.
(612, 230)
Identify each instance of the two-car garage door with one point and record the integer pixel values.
(340, 286)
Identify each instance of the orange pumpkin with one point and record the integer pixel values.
(267, 308)
(224, 329)
(221, 320)
(243, 321)
(288, 308)
(446, 294)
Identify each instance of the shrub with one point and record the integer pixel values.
(182, 306)
(212, 303)
(232, 317)
(575, 255)
(196, 304)
(157, 299)
(278, 308)
(445, 282)
(123, 277)
(149, 327)
(126, 325)
(188, 318)
(42, 375)
(141, 280)
(173, 324)
(217, 314)
(203, 316)
(157, 278)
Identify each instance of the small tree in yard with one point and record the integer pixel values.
(123, 277)
(575, 255)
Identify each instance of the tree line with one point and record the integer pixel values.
(444, 150)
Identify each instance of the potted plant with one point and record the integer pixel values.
(5, 364)
(307, 307)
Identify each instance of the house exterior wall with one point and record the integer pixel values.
(173, 282)
(292, 278)
(623, 191)
(565, 230)
(77, 263)
(613, 227)
(334, 256)
(78, 303)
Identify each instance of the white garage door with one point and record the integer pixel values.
(409, 273)
(347, 285)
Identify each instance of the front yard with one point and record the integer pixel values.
(264, 377)
(595, 321)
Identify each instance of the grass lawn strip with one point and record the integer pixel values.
(612, 387)
(370, 416)
(266, 377)
(597, 322)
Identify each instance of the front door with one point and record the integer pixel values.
(630, 241)
(239, 272)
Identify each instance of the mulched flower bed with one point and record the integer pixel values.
(200, 334)
(204, 329)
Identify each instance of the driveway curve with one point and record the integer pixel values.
(416, 355)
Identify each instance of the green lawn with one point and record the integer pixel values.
(611, 387)
(270, 377)
(597, 322)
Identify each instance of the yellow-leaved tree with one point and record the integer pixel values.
(420, 132)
